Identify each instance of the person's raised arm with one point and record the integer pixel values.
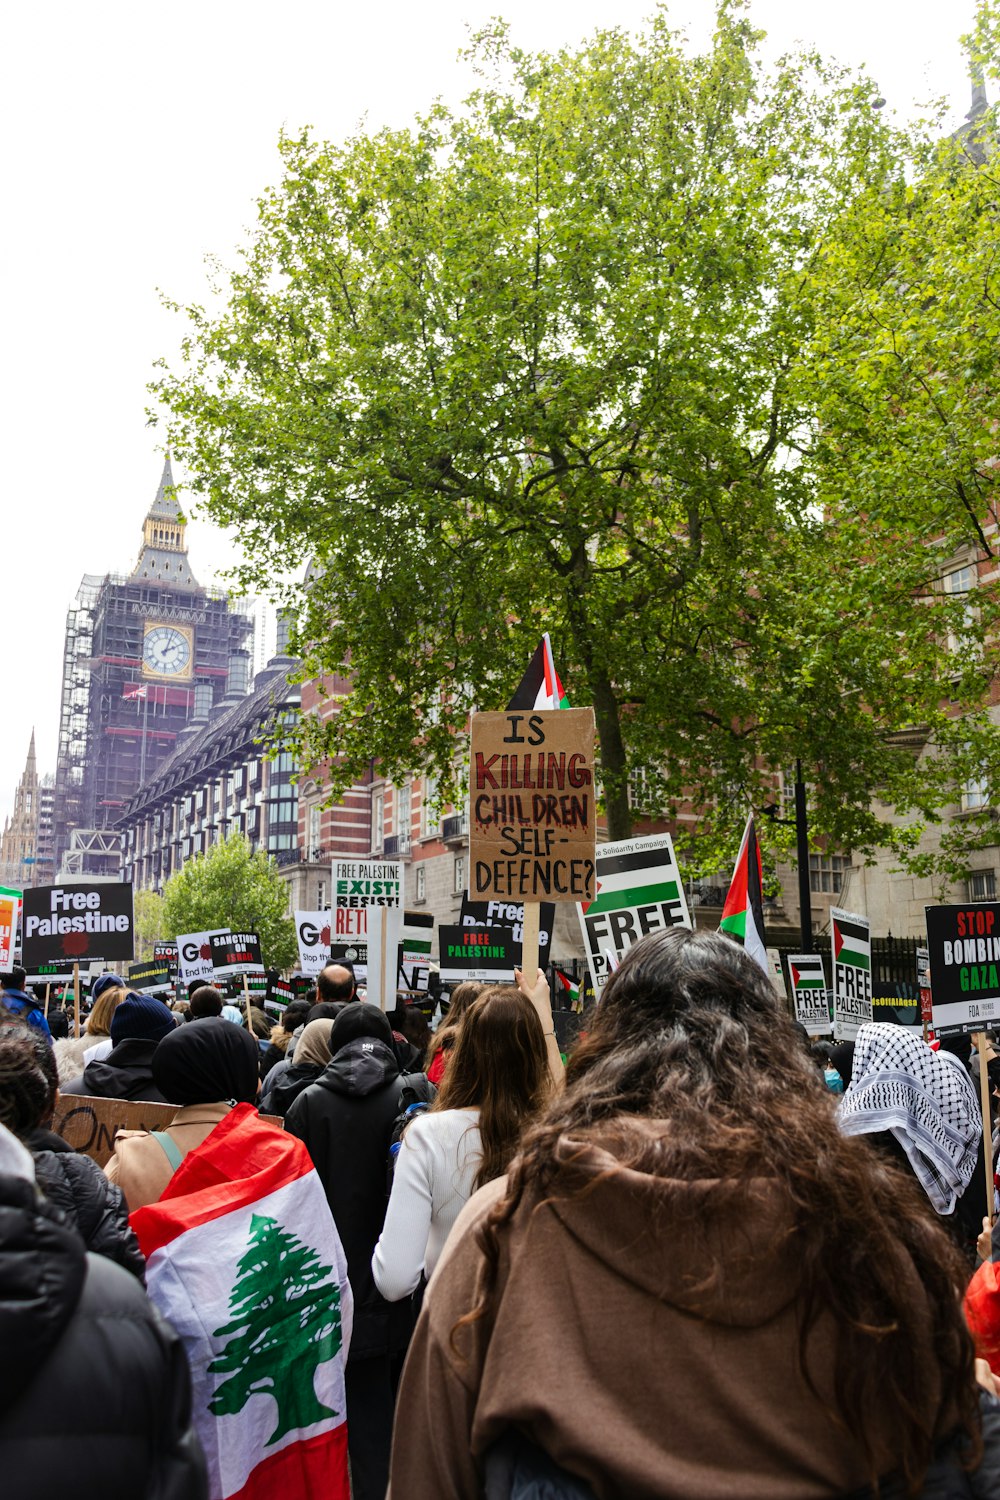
(541, 999)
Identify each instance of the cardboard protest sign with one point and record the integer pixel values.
(152, 977)
(10, 911)
(810, 995)
(313, 931)
(483, 953)
(511, 914)
(358, 885)
(533, 806)
(194, 956)
(77, 922)
(235, 953)
(415, 949)
(90, 1125)
(964, 947)
(638, 890)
(852, 972)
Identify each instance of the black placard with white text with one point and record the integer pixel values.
(511, 914)
(963, 945)
(77, 922)
(482, 953)
(235, 953)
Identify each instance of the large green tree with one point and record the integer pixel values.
(235, 886)
(559, 359)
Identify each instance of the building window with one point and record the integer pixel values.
(321, 895)
(403, 817)
(959, 584)
(378, 820)
(315, 818)
(975, 794)
(420, 884)
(826, 873)
(429, 818)
(458, 882)
(982, 885)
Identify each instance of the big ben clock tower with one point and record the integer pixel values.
(138, 648)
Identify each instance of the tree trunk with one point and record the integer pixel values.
(611, 748)
(613, 762)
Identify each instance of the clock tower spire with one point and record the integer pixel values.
(163, 558)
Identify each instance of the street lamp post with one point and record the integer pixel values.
(800, 824)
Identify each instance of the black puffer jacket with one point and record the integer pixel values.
(345, 1120)
(284, 1085)
(126, 1073)
(93, 1205)
(95, 1393)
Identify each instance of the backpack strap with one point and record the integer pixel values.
(169, 1147)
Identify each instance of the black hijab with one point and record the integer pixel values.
(356, 1020)
(206, 1061)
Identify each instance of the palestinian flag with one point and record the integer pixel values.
(571, 988)
(540, 686)
(631, 874)
(243, 1257)
(851, 942)
(743, 913)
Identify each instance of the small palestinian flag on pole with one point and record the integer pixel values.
(244, 1259)
(540, 686)
(743, 913)
(572, 990)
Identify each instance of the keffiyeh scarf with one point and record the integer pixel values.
(925, 1099)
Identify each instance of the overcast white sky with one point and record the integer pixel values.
(136, 140)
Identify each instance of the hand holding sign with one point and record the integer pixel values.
(541, 998)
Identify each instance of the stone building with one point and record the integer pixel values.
(138, 652)
(19, 840)
(218, 781)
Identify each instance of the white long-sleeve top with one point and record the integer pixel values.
(432, 1180)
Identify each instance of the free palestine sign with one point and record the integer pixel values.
(76, 922)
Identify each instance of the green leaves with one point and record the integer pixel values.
(236, 887)
(674, 357)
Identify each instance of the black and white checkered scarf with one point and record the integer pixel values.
(927, 1101)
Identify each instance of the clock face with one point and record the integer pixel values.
(166, 652)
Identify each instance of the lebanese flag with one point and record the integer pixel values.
(243, 1257)
(743, 913)
(540, 686)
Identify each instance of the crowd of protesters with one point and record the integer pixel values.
(706, 1258)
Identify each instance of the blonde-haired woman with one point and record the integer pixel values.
(72, 1053)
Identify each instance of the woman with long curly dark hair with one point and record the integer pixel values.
(690, 1285)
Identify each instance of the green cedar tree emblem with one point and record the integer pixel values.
(285, 1323)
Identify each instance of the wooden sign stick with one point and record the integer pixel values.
(76, 1000)
(246, 997)
(984, 1098)
(45, 1012)
(382, 959)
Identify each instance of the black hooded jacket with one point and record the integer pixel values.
(345, 1120)
(285, 1084)
(126, 1073)
(95, 1393)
